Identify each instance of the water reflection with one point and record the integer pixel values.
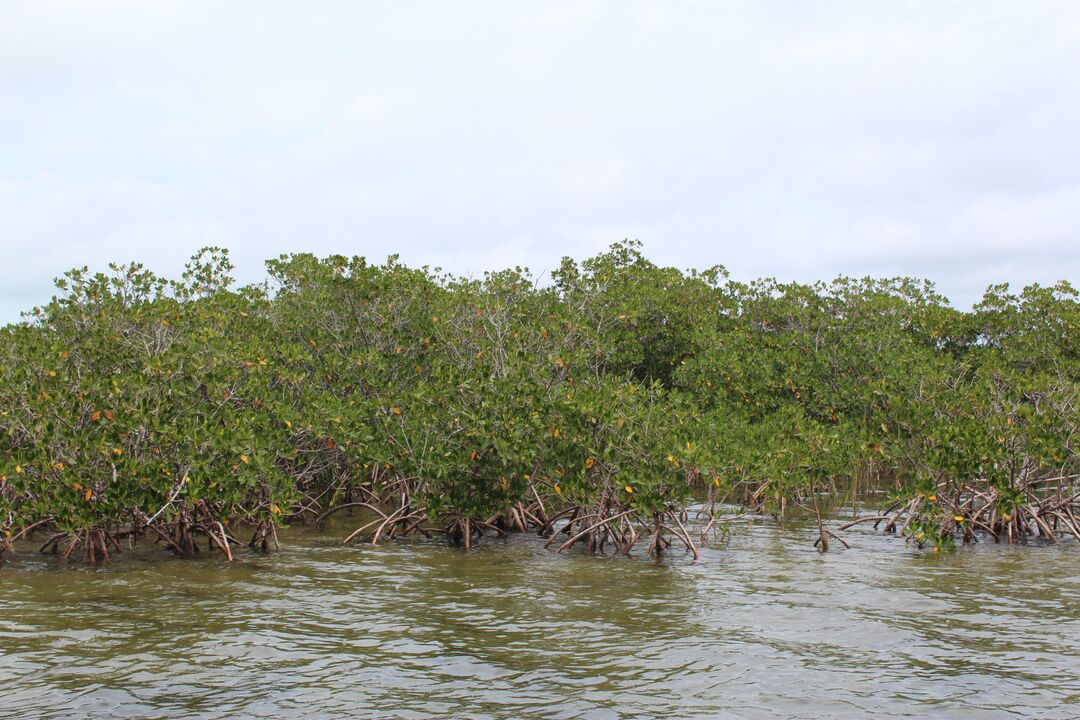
(761, 627)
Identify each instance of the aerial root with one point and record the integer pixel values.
(1044, 508)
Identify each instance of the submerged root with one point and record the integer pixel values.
(405, 520)
(91, 545)
(1028, 508)
(622, 528)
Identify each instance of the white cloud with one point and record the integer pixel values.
(801, 140)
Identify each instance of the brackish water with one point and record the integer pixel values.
(761, 627)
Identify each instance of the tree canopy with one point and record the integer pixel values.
(610, 398)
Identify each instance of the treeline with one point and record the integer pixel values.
(591, 408)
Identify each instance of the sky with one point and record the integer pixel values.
(797, 140)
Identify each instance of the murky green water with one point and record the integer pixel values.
(762, 627)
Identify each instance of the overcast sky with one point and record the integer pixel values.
(801, 140)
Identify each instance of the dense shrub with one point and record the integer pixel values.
(598, 405)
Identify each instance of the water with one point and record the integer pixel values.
(761, 627)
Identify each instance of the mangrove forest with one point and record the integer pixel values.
(611, 405)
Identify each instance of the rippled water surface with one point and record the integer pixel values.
(761, 627)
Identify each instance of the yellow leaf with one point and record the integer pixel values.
(244, 459)
(288, 424)
(52, 373)
(88, 494)
(558, 490)
(58, 465)
(396, 411)
(555, 432)
(589, 463)
(958, 518)
(275, 509)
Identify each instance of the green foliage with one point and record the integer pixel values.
(132, 403)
